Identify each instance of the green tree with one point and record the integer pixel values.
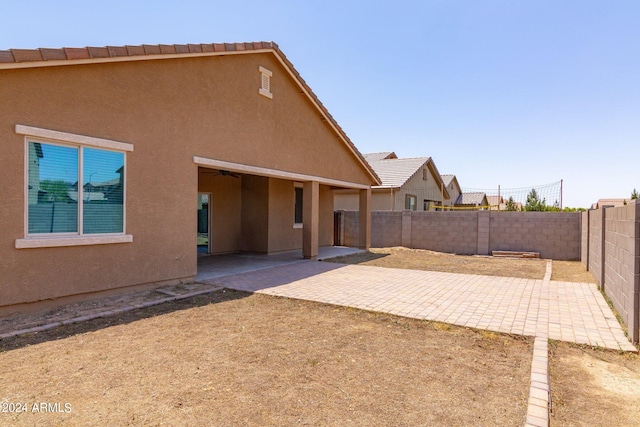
(58, 190)
(534, 204)
(511, 205)
(635, 195)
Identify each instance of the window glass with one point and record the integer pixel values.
(57, 183)
(53, 180)
(103, 185)
(410, 202)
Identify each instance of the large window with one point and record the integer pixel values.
(74, 190)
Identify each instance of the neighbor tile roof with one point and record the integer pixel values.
(374, 157)
(18, 58)
(476, 198)
(495, 200)
(395, 172)
(447, 178)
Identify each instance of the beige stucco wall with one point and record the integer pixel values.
(423, 190)
(452, 189)
(382, 199)
(386, 199)
(170, 110)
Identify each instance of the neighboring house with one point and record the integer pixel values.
(453, 187)
(496, 203)
(106, 152)
(472, 200)
(407, 184)
(609, 202)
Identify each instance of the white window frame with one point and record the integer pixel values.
(64, 139)
(265, 82)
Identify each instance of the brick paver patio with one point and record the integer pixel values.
(565, 311)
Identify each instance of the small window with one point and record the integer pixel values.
(297, 210)
(425, 205)
(410, 202)
(74, 190)
(425, 174)
(265, 83)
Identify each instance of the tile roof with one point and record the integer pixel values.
(42, 57)
(476, 198)
(395, 172)
(447, 178)
(495, 200)
(385, 155)
(75, 53)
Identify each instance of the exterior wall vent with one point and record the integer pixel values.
(265, 88)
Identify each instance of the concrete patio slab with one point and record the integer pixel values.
(213, 266)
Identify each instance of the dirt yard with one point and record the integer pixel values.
(232, 358)
(419, 259)
(594, 387)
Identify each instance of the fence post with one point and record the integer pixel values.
(603, 244)
(406, 229)
(483, 232)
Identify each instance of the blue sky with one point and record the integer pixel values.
(498, 92)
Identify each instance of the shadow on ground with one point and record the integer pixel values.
(65, 331)
(359, 258)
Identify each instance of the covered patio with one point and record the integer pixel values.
(214, 266)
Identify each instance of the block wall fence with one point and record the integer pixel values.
(612, 256)
(554, 235)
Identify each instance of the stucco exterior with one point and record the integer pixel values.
(181, 115)
(427, 192)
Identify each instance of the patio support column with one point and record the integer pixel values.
(365, 219)
(310, 219)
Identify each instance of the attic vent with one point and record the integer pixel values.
(265, 89)
(425, 174)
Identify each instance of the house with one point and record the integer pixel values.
(453, 187)
(407, 184)
(472, 200)
(496, 203)
(610, 202)
(107, 152)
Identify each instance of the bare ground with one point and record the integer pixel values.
(420, 259)
(594, 387)
(231, 358)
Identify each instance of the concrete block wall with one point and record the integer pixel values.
(621, 263)
(594, 260)
(584, 246)
(555, 235)
(452, 232)
(386, 229)
(351, 229)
